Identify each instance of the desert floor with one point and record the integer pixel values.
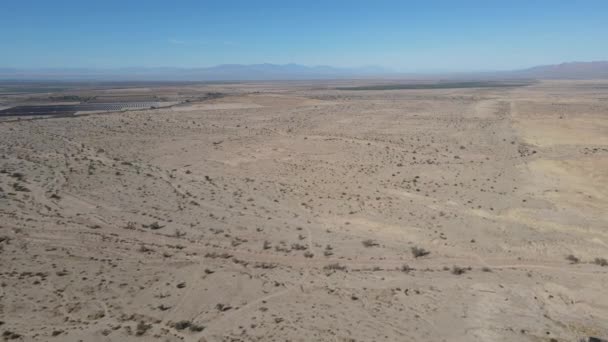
(297, 212)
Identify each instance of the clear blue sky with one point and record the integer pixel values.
(405, 35)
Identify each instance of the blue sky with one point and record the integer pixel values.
(403, 35)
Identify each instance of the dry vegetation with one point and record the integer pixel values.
(302, 212)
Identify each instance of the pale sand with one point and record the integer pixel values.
(256, 194)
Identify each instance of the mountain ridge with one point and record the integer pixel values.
(585, 70)
(292, 71)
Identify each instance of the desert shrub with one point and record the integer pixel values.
(181, 325)
(335, 267)
(457, 270)
(9, 335)
(419, 252)
(142, 328)
(369, 243)
(406, 268)
(572, 259)
(196, 328)
(144, 249)
(216, 255)
(600, 261)
(298, 247)
(153, 225)
(19, 187)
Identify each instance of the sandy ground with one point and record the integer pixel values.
(292, 213)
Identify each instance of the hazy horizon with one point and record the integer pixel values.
(436, 36)
(296, 64)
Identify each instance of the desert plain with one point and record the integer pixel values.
(304, 211)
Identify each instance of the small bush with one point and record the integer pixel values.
(369, 243)
(19, 187)
(335, 267)
(298, 247)
(600, 261)
(181, 325)
(223, 307)
(196, 327)
(419, 252)
(215, 255)
(573, 259)
(144, 249)
(142, 328)
(406, 268)
(153, 225)
(9, 335)
(457, 270)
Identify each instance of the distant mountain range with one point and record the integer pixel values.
(224, 72)
(572, 70)
(241, 72)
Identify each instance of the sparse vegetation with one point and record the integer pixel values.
(347, 201)
(10, 335)
(457, 270)
(19, 187)
(223, 307)
(154, 225)
(142, 328)
(215, 255)
(335, 267)
(182, 325)
(369, 243)
(600, 261)
(406, 268)
(144, 249)
(418, 252)
(298, 247)
(572, 259)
